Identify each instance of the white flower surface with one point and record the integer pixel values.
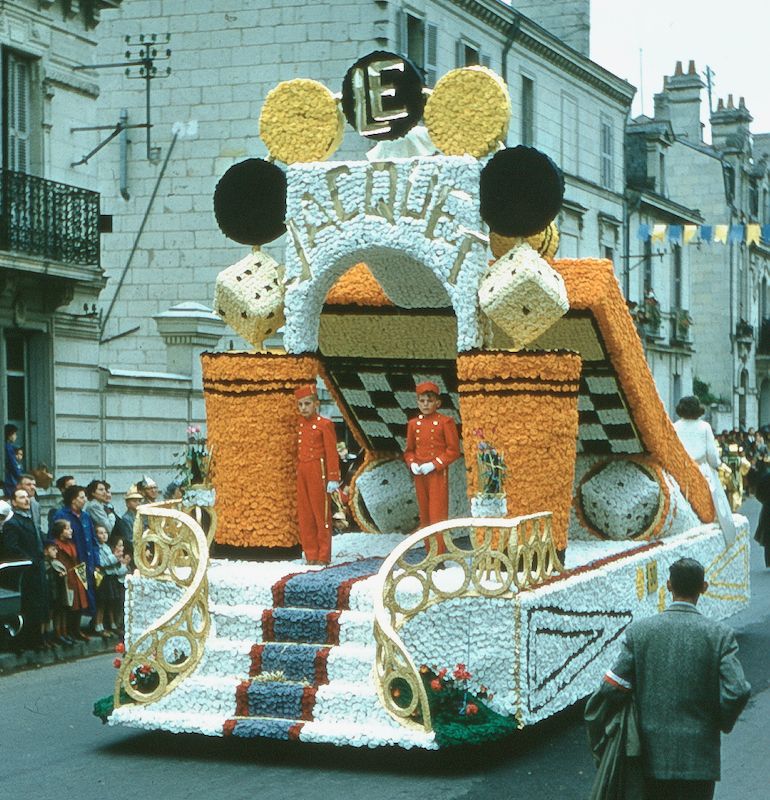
(414, 222)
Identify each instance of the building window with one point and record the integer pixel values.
(17, 108)
(754, 199)
(527, 111)
(569, 134)
(677, 276)
(419, 43)
(607, 160)
(661, 174)
(25, 391)
(608, 252)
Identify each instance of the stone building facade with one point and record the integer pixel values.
(50, 268)
(104, 354)
(675, 178)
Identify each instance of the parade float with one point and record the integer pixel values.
(434, 259)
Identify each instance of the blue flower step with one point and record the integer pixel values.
(287, 729)
(327, 588)
(298, 662)
(301, 625)
(275, 699)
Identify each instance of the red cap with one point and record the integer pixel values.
(426, 386)
(308, 390)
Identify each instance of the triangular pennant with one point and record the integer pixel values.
(580, 638)
(659, 232)
(689, 233)
(82, 575)
(706, 233)
(737, 232)
(675, 234)
(752, 234)
(720, 234)
(643, 234)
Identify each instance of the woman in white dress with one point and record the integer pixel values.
(698, 440)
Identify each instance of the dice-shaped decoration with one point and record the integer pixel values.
(523, 295)
(249, 297)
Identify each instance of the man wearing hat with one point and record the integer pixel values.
(148, 489)
(318, 475)
(432, 444)
(134, 498)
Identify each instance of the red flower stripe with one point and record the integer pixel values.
(308, 702)
(319, 664)
(294, 731)
(268, 632)
(229, 727)
(333, 627)
(343, 592)
(242, 700)
(599, 562)
(279, 589)
(256, 659)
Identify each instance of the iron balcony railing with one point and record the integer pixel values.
(47, 219)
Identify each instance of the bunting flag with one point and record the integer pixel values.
(751, 233)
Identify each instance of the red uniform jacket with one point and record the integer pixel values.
(316, 440)
(433, 438)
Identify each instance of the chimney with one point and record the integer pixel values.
(680, 102)
(730, 125)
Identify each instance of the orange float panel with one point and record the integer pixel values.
(526, 405)
(252, 430)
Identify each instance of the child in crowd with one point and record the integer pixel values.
(20, 458)
(54, 572)
(72, 598)
(107, 560)
(114, 585)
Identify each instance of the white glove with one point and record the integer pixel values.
(332, 486)
(427, 468)
(415, 467)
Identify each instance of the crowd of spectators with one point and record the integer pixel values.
(752, 444)
(80, 554)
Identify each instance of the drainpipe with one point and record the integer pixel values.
(513, 32)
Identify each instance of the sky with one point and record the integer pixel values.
(730, 37)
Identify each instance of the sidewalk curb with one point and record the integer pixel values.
(29, 659)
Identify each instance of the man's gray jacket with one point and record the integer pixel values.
(688, 685)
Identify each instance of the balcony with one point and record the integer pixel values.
(49, 222)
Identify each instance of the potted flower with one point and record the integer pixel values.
(490, 500)
(193, 463)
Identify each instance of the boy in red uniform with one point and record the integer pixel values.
(432, 444)
(318, 475)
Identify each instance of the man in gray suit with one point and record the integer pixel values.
(687, 685)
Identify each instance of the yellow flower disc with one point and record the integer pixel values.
(301, 121)
(468, 112)
(546, 242)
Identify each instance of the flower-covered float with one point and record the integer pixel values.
(432, 260)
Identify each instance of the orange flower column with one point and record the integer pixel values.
(526, 403)
(252, 430)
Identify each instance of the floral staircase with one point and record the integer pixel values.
(288, 658)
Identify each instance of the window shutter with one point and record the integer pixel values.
(485, 60)
(431, 54)
(402, 37)
(18, 114)
(459, 53)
